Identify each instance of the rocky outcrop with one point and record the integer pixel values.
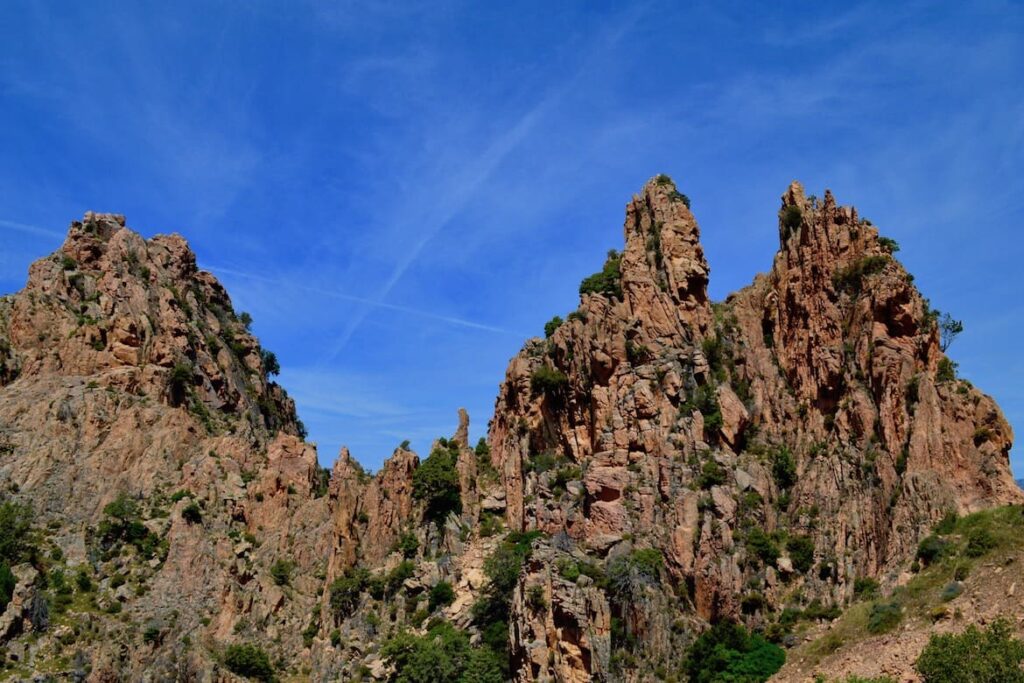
(657, 463)
(815, 405)
(129, 377)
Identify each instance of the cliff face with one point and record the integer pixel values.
(130, 379)
(815, 406)
(657, 463)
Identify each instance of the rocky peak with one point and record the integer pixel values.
(141, 315)
(664, 271)
(657, 419)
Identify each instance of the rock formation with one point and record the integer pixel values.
(657, 463)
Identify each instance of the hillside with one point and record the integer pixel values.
(655, 464)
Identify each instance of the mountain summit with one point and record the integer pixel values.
(656, 464)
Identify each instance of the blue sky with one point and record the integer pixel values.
(401, 193)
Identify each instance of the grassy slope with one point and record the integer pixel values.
(992, 585)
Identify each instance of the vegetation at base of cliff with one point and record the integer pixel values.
(249, 661)
(436, 482)
(992, 655)
(728, 653)
(607, 282)
(442, 655)
(945, 561)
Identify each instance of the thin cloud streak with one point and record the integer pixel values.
(31, 229)
(477, 174)
(368, 302)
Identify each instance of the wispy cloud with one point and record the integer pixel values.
(31, 229)
(450, 320)
(463, 185)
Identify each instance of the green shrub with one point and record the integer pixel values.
(762, 546)
(979, 542)
(728, 653)
(884, 617)
(801, 552)
(607, 282)
(542, 462)
(946, 370)
(931, 548)
(865, 587)
(705, 400)
(552, 325)
(123, 524)
(312, 629)
(396, 577)
(628, 575)
(490, 524)
(179, 382)
(889, 244)
(15, 526)
(249, 661)
(783, 468)
(568, 569)
(281, 572)
(791, 217)
(535, 598)
(192, 514)
(483, 666)
(851, 278)
(436, 482)
(68, 263)
(345, 592)
(951, 591)
(711, 474)
(408, 545)
(443, 655)
(816, 611)
(974, 656)
(547, 380)
(180, 494)
(83, 581)
(7, 585)
(270, 364)
(441, 595)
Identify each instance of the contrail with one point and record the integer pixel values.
(31, 229)
(368, 302)
(476, 174)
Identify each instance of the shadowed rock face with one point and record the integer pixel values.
(814, 406)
